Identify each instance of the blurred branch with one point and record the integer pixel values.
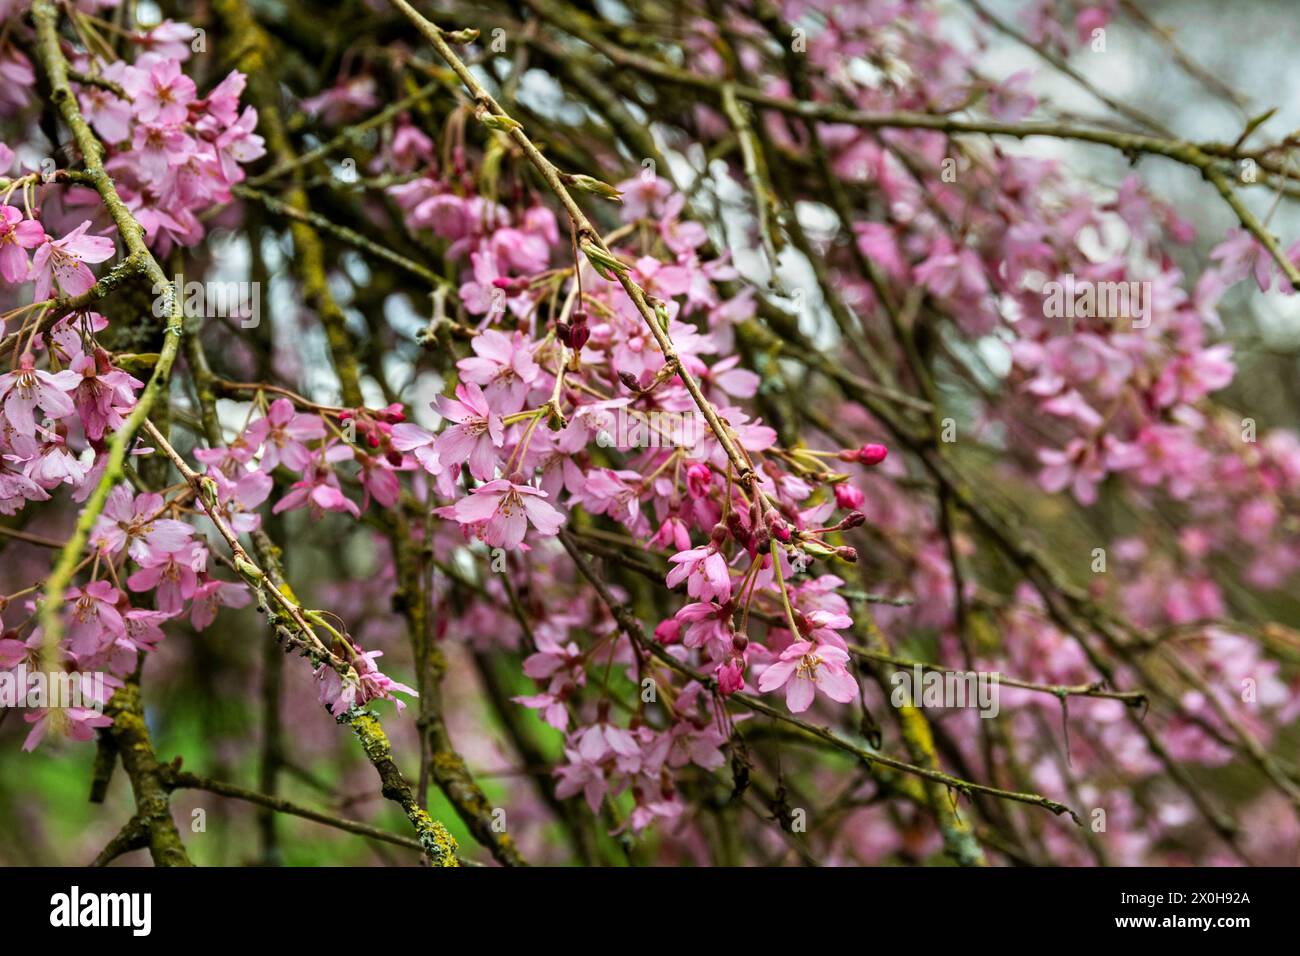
(180, 779)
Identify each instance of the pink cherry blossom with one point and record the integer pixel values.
(804, 667)
(174, 575)
(29, 388)
(704, 570)
(160, 94)
(17, 234)
(504, 510)
(503, 366)
(134, 522)
(320, 490)
(104, 396)
(94, 621)
(63, 261)
(475, 434)
(282, 433)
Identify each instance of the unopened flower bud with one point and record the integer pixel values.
(853, 520)
(731, 677)
(669, 631)
(698, 479)
(510, 285)
(847, 496)
(872, 454)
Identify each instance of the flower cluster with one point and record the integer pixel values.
(651, 463)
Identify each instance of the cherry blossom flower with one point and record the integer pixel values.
(644, 195)
(319, 490)
(705, 571)
(804, 667)
(282, 433)
(1011, 101)
(240, 493)
(378, 480)
(604, 739)
(77, 723)
(63, 261)
(54, 463)
(169, 40)
(686, 743)
(104, 396)
(161, 93)
(133, 522)
(341, 694)
(551, 706)
(503, 366)
(504, 511)
(474, 436)
(17, 234)
(552, 656)
(173, 575)
(109, 114)
(27, 389)
(94, 620)
(708, 625)
(238, 146)
(210, 595)
(583, 776)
